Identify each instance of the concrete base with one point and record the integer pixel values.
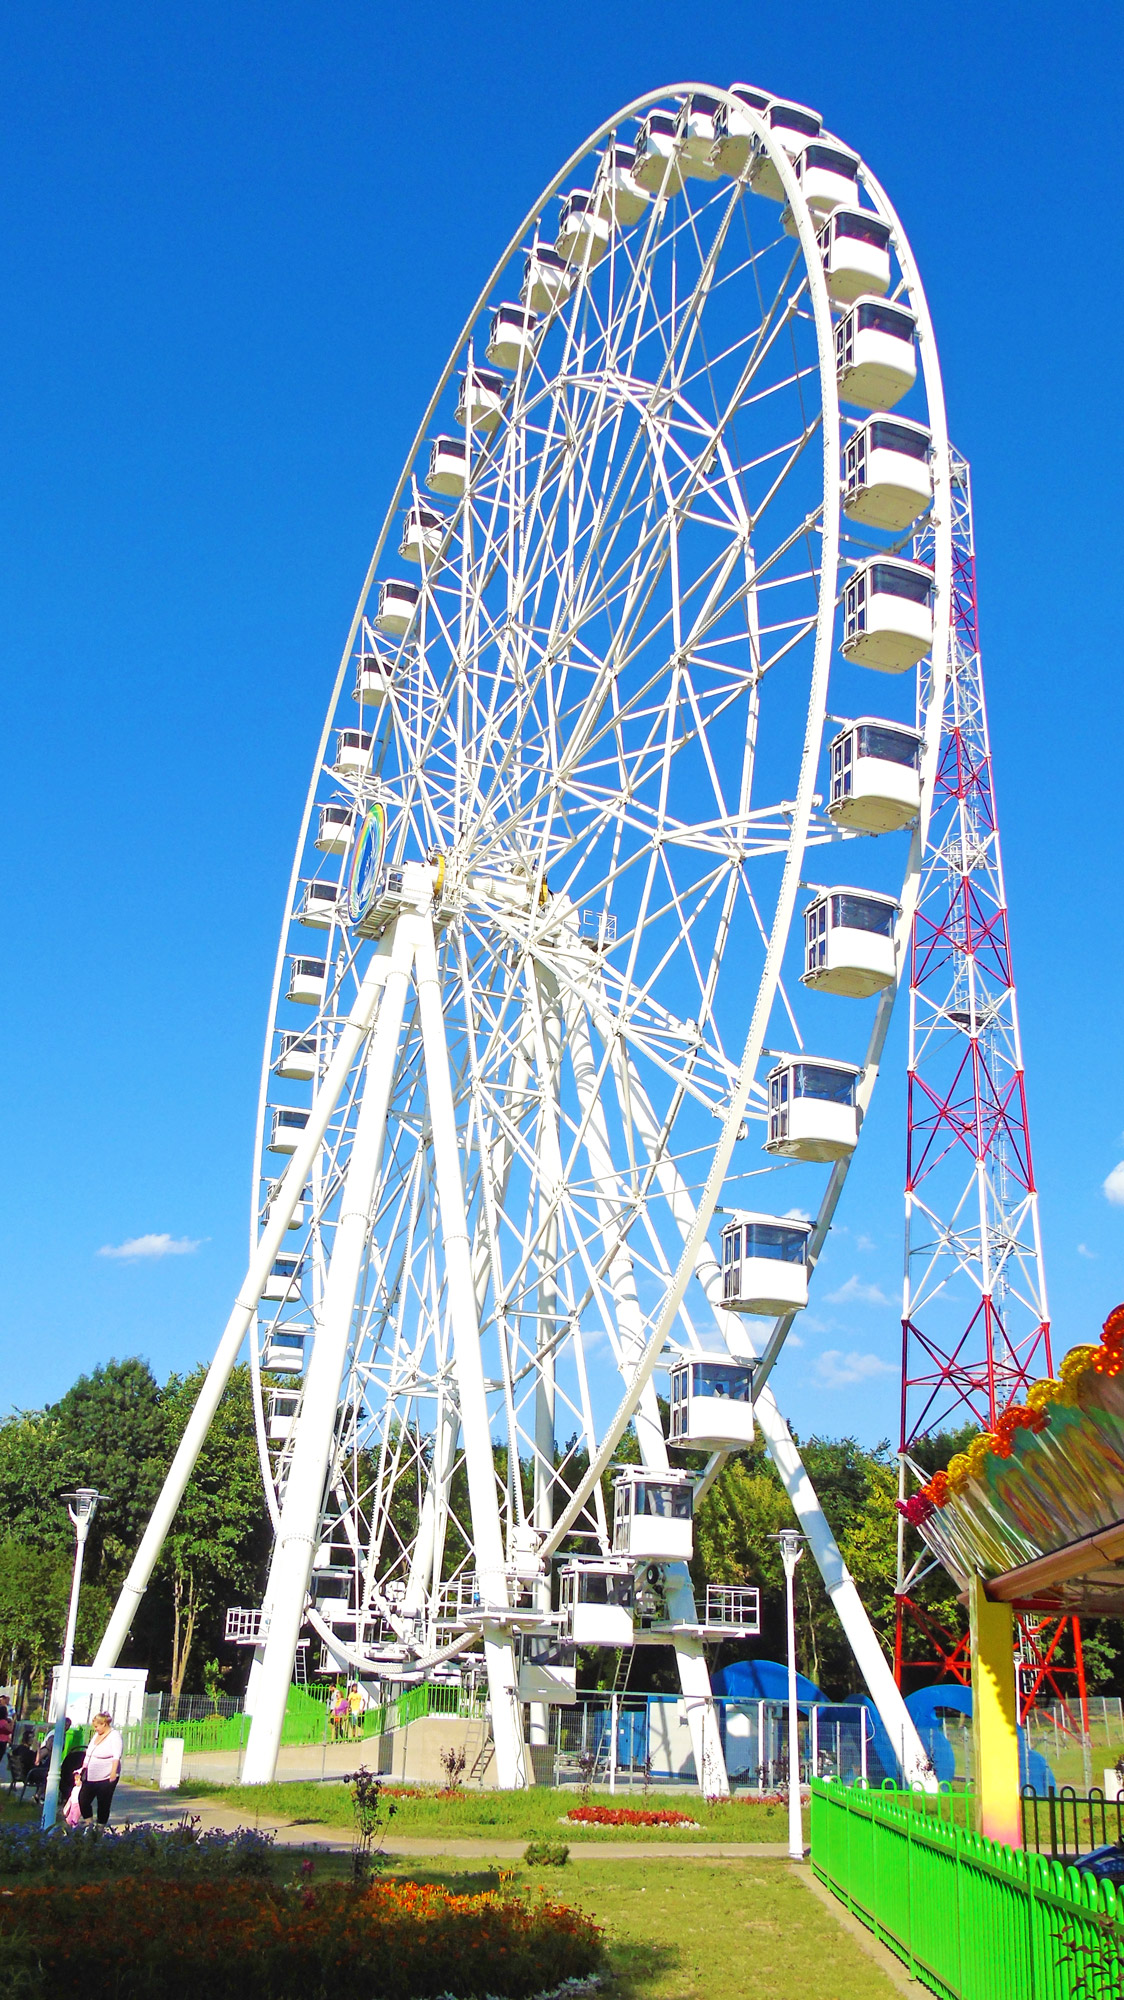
(412, 1755)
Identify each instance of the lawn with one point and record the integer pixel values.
(531, 1815)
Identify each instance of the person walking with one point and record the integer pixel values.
(356, 1703)
(340, 1714)
(101, 1768)
(7, 1731)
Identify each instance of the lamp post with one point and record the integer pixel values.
(792, 1548)
(80, 1506)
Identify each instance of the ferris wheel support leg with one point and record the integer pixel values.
(352, 1037)
(499, 1649)
(299, 1527)
(849, 1608)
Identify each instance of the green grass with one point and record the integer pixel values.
(524, 1816)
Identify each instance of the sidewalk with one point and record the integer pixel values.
(135, 1802)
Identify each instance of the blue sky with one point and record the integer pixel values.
(238, 243)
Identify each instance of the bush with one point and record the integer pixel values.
(176, 1852)
(546, 1854)
(249, 1941)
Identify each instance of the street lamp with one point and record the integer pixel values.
(792, 1548)
(80, 1506)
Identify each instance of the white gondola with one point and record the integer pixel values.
(620, 197)
(829, 176)
(296, 1218)
(876, 354)
(733, 128)
(298, 1060)
(334, 830)
(448, 467)
(546, 279)
(284, 1352)
(423, 532)
(855, 247)
(849, 942)
(712, 1404)
(353, 750)
(812, 1109)
(308, 981)
(546, 1670)
(283, 1407)
(374, 680)
(597, 1598)
(511, 340)
(657, 150)
(888, 614)
(653, 1514)
(793, 126)
(583, 234)
(398, 602)
(887, 472)
(875, 775)
(765, 1264)
(317, 905)
(283, 1281)
(481, 398)
(697, 134)
(288, 1125)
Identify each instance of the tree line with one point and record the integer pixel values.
(118, 1428)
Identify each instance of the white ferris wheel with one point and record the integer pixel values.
(578, 1003)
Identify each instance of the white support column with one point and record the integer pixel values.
(499, 1651)
(281, 1207)
(299, 1527)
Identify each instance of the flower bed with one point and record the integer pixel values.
(181, 1851)
(252, 1941)
(624, 1816)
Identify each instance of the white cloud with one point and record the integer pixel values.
(857, 1292)
(866, 1243)
(1083, 1250)
(836, 1370)
(793, 1340)
(1114, 1186)
(799, 1214)
(148, 1248)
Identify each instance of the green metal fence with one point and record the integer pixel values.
(433, 1698)
(972, 1920)
(305, 1723)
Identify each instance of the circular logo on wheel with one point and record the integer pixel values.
(366, 863)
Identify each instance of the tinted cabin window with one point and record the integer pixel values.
(709, 1378)
(594, 1589)
(898, 437)
(886, 319)
(861, 228)
(826, 156)
(831, 1086)
(788, 119)
(892, 745)
(669, 1503)
(893, 581)
(862, 913)
(773, 1240)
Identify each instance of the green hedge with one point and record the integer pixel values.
(971, 1919)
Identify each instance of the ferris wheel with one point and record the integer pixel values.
(577, 1006)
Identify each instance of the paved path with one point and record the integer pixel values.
(165, 1808)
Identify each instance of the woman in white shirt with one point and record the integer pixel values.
(101, 1768)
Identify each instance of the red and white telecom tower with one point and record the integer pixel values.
(975, 1322)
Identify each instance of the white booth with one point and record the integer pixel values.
(849, 942)
(876, 353)
(547, 1670)
(353, 750)
(296, 1218)
(288, 1125)
(812, 1109)
(855, 247)
(657, 148)
(829, 176)
(620, 197)
(653, 1514)
(298, 1061)
(282, 1415)
(583, 233)
(374, 680)
(511, 340)
(733, 129)
(317, 905)
(875, 775)
(481, 398)
(422, 534)
(546, 278)
(284, 1352)
(308, 981)
(597, 1597)
(887, 472)
(697, 136)
(888, 614)
(283, 1281)
(712, 1404)
(448, 467)
(398, 602)
(793, 126)
(765, 1264)
(333, 833)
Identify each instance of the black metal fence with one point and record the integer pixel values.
(1068, 1823)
